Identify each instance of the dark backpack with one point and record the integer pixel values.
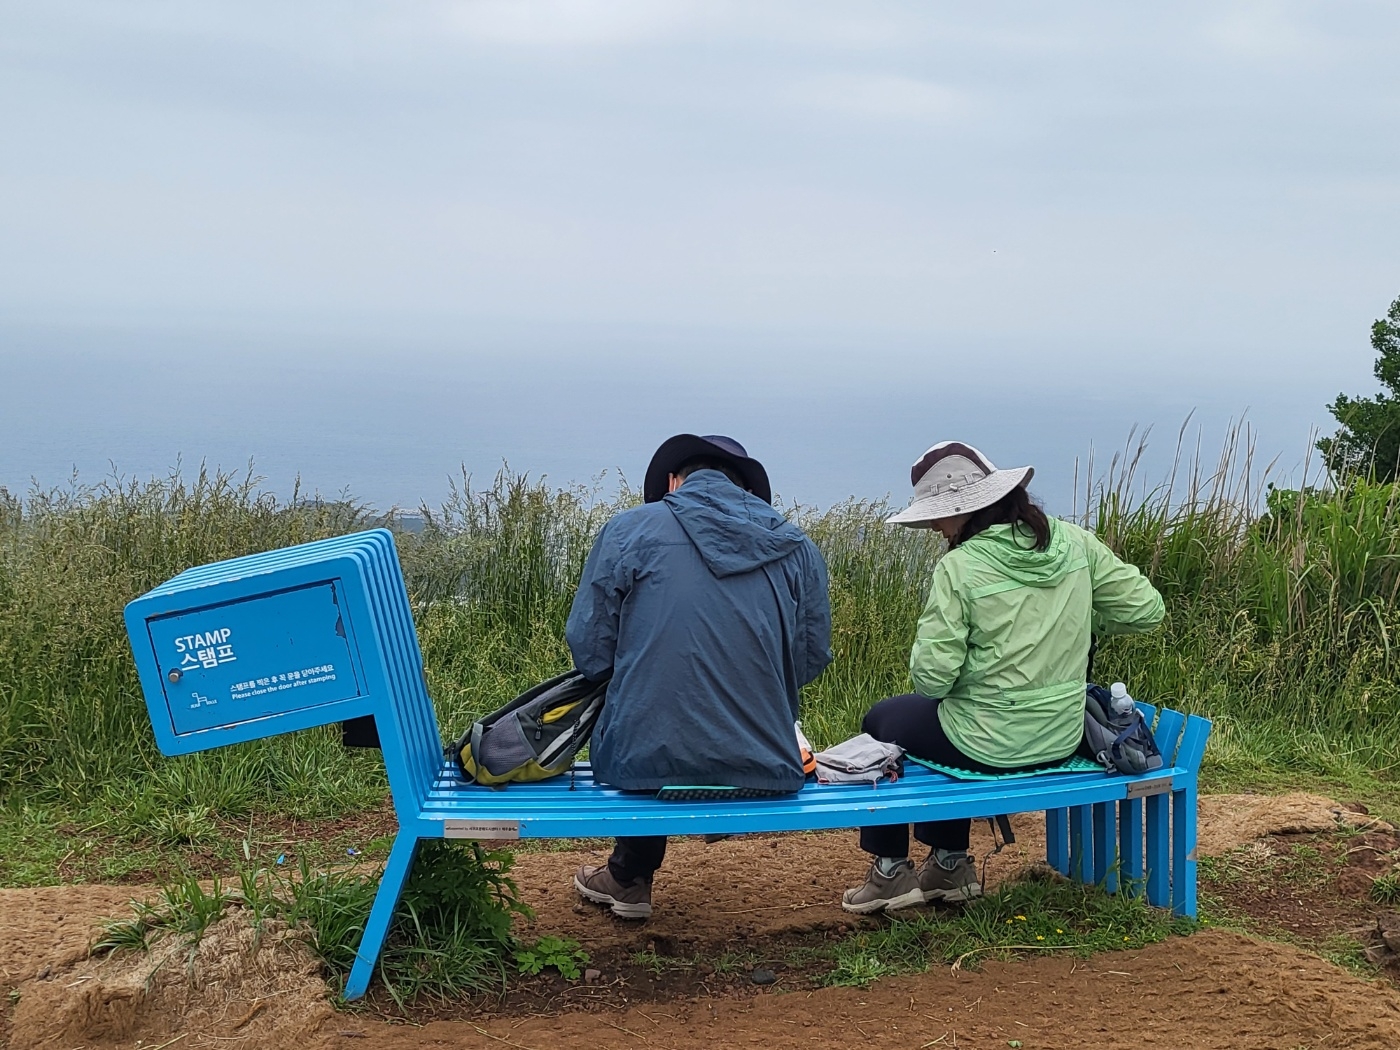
(1123, 743)
(534, 737)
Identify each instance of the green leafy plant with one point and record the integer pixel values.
(858, 969)
(564, 955)
(124, 935)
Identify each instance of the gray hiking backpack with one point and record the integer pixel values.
(1122, 742)
(534, 737)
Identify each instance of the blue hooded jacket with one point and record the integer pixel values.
(710, 610)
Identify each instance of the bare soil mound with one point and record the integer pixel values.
(238, 988)
(46, 930)
(1227, 821)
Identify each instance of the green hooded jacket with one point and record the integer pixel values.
(1004, 638)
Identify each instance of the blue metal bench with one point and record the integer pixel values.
(271, 643)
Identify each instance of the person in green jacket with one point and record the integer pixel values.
(999, 657)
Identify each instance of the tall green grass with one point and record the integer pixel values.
(1281, 622)
(1282, 606)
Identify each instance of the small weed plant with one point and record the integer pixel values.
(184, 908)
(560, 953)
(1386, 888)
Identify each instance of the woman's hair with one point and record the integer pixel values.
(1014, 509)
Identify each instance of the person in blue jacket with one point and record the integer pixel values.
(709, 610)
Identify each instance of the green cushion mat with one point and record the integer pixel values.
(1073, 764)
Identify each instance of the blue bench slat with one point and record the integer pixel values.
(1130, 844)
(1105, 846)
(1183, 876)
(1192, 749)
(1057, 839)
(1081, 844)
(1168, 734)
(551, 810)
(917, 781)
(1158, 852)
(451, 791)
(407, 697)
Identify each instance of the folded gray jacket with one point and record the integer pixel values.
(861, 759)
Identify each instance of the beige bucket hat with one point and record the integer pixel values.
(954, 478)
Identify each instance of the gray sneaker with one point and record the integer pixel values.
(627, 902)
(957, 882)
(884, 892)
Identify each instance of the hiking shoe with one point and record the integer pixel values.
(955, 882)
(627, 902)
(884, 892)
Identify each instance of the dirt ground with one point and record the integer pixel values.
(1213, 989)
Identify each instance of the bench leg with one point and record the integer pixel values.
(1184, 852)
(1105, 846)
(1130, 845)
(1158, 844)
(385, 901)
(1081, 844)
(1057, 839)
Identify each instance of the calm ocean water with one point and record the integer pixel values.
(390, 421)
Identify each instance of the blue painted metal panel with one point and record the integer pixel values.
(295, 653)
(277, 608)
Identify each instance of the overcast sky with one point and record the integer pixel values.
(372, 241)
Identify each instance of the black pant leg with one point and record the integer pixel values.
(637, 857)
(911, 721)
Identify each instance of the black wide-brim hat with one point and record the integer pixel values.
(677, 451)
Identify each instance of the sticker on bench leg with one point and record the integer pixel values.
(481, 829)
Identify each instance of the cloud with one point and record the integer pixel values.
(879, 97)
(570, 23)
(1262, 29)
